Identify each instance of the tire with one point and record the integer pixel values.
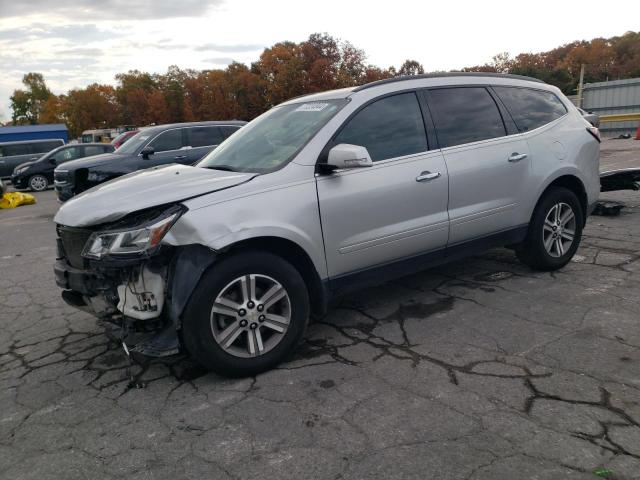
(540, 250)
(38, 183)
(212, 338)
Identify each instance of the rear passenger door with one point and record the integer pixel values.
(201, 140)
(488, 168)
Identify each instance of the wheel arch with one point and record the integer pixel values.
(570, 182)
(296, 256)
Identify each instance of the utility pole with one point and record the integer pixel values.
(580, 85)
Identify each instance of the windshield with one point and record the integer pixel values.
(272, 139)
(134, 143)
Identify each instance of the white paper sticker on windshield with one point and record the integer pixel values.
(311, 107)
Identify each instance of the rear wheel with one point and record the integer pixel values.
(555, 231)
(247, 314)
(38, 183)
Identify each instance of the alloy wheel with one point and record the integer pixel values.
(250, 316)
(38, 183)
(559, 229)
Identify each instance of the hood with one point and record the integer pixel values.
(113, 200)
(92, 161)
(25, 164)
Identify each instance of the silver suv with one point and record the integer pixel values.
(321, 194)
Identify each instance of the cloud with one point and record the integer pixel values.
(238, 48)
(77, 33)
(219, 60)
(80, 52)
(108, 9)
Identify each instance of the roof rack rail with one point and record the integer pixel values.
(447, 74)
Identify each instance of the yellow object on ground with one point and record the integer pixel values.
(15, 199)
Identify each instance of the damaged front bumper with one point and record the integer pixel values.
(131, 299)
(141, 292)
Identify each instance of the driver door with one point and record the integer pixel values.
(169, 147)
(394, 210)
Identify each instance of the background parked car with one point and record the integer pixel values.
(38, 175)
(123, 137)
(184, 143)
(590, 117)
(13, 154)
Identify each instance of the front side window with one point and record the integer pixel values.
(531, 108)
(203, 136)
(389, 128)
(67, 154)
(465, 115)
(169, 140)
(273, 139)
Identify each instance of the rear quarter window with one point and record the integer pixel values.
(18, 149)
(531, 108)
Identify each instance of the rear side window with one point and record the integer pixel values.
(18, 149)
(465, 115)
(530, 108)
(388, 128)
(44, 147)
(169, 140)
(94, 150)
(203, 136)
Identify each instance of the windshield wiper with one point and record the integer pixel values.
(225, 168)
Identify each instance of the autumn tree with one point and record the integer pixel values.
(283, 71)
(53, 110)
(27, 104)
(93, 107)
(132, 93)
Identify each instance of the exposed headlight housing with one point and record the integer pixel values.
(132, 241)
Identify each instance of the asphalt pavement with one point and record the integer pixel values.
(480, 369)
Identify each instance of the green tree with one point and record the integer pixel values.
(411, 67)
(27, 104)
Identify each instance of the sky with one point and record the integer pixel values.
(75, 43)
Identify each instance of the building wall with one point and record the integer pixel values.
(43, 135)
(613, 97)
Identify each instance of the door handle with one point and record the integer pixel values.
(179, 157)
(516, 157)
(427, 176)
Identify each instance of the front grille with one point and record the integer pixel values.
(73, 242)
(62, 177)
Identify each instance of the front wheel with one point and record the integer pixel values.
(38, 183)
(247, 314)
(555, 231)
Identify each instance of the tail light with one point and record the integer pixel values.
(595, 133)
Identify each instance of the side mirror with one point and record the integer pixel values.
(345, 155)
(146, 151)
(53, 160)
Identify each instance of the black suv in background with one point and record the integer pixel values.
(184, 143)
(38, 175)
